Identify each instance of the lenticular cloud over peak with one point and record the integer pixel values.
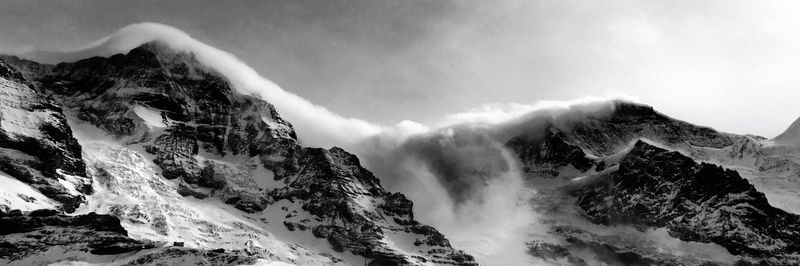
(122, 41)
(316, 125)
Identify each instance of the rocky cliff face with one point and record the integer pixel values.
(211, 142)
(351, 209)
(694, 201)
(36, 144)
(550, 155)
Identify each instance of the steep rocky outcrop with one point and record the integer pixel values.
(548, 156)
(350, 207)
(36, 144)
(700, 202)
(26, 234)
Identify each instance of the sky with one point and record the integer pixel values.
(726, 64)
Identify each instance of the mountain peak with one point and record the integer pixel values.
(157, 47)
(161, 55)
(123, 41)
(791, 136)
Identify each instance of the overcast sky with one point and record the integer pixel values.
(732, 65)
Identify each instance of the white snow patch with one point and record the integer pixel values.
(18, 195)
(265, 178)
(274, 125)
(69, 182)
(152, 117)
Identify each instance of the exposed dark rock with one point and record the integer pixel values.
(26, 234)
(432, 236)
(612, 255)
(10, 224)
(547, 251)
(190, 256)
(43, 213)
(175, 155)
(398, 204)
(549, 155)
(326, 181)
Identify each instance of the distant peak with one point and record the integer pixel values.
(790, 137)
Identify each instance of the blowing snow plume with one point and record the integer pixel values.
(316, 125)
(466, 182)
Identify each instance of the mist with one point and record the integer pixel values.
(466, 182)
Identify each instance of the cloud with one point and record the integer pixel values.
(462, 181)
(462, 177)
(498, 113)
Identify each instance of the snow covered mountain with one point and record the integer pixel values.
(155, 156)
(168, 152)
(660, 176)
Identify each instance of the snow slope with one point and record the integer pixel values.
(17, 195)
(129, 186)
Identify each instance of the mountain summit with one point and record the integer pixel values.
(791, 136)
